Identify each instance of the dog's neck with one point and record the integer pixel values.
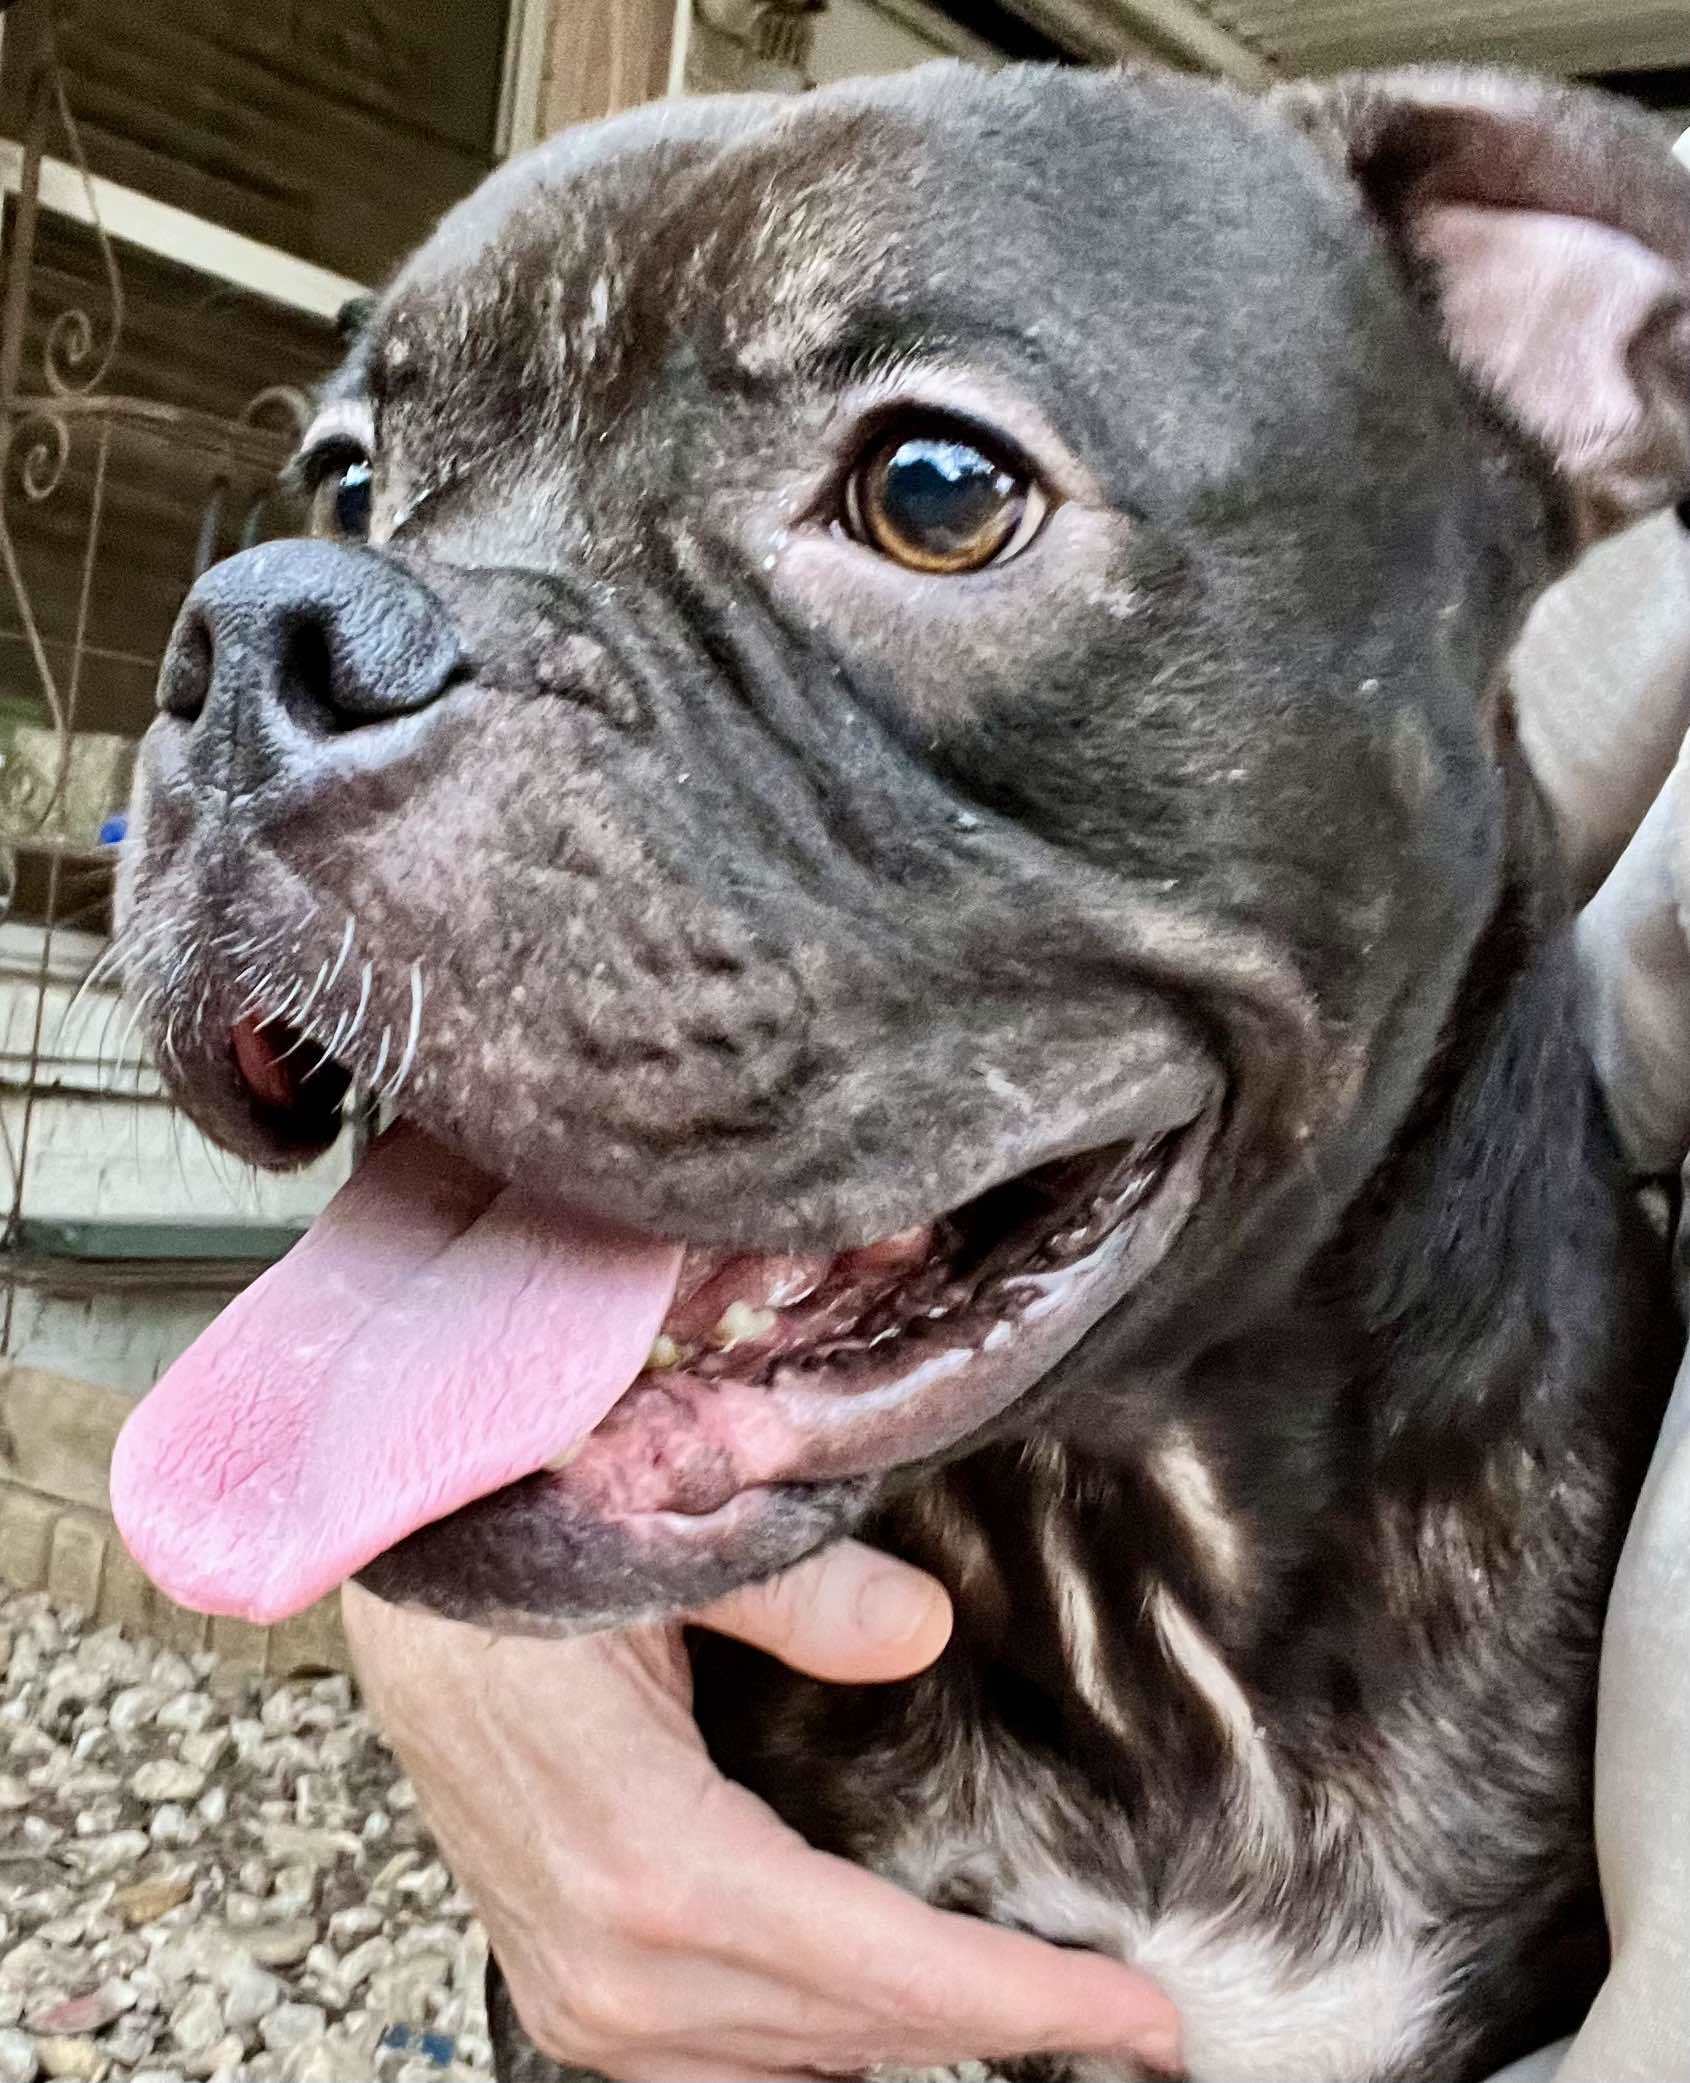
(1379, 1524)
(1445, 1357)
(1455, 1269)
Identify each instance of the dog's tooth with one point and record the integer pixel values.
(739, 1322)
(560, 1462)
(665, 1354)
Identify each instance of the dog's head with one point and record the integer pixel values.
(889, 753)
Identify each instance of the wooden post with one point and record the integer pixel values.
(605, 55)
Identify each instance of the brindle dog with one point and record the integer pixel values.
(919, 706)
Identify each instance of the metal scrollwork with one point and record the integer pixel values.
(72, 337)
(65, 434)
(770, 33)
(44, 440)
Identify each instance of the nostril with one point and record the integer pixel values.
(297, 640)
(341, 665)
(185, 678)
(306, 677)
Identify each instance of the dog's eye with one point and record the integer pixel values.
(935, 502)
(342, 481)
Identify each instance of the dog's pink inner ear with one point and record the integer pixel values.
(1556, 226)
(1581, 333)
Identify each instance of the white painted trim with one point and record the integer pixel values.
(938, 29)
(680, 49)
(178, 235)
(524, 77)
(1106, 30)
(1188, 26)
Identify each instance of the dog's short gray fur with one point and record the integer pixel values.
(774, 898)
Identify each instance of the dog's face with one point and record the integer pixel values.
(900, 694)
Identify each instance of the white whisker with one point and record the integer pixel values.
(398, 1081)
(126, 948)
(304, 1013)
(345, 950)
(112, 1012)
(280, 1012)
(363, 1007)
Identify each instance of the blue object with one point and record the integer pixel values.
(437, 2047)
(114, 831)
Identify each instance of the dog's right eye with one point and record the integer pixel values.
(342, 480)
(934, 499)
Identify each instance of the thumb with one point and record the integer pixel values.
(848, 1613)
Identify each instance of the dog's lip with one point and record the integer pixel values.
(555, 1552)
(296, 1090)
(685, 1457)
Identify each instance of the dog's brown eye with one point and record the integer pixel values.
(937, 503)
(342, 483)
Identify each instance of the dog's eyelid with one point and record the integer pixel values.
(312, 468)
(995, 416)
(341, 435)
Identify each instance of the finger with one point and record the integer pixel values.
(848, 1613)
(686, 2066)
(943, 1988)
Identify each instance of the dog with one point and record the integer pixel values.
(892, 756)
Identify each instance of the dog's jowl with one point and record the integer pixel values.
(893, 757)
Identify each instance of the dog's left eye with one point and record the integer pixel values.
(934, 501)
(342, 482)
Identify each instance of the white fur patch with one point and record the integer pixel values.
(1250, 2012)
(1070, 1585)
(1188, 1483)
(1253, 2009)
(1264, 1819)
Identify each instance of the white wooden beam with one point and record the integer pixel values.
(1190, 30)
(180, 236)
(522, 88)
(1105, 30)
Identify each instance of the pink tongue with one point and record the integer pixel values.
(433, 1338)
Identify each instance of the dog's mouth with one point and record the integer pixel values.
(442, 1341)
(296, 1088)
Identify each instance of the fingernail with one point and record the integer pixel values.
(893, 1605)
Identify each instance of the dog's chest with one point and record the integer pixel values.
(1257, 1996)
(1316, 1891)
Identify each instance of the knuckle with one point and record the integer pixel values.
(583, 2014)
(664, 1913)
(768, 1613)
(914, 2000)
(614, 1896)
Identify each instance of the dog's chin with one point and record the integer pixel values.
(785, 1390)
(535, 1559)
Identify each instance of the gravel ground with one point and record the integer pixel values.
(207, 1874)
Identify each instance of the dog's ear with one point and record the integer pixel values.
(1553, 225)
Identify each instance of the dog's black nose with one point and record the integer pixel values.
(301, 641)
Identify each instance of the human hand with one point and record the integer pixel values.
(658, 1923)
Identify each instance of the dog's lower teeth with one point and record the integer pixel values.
(664, 1357)
(739, 1323)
